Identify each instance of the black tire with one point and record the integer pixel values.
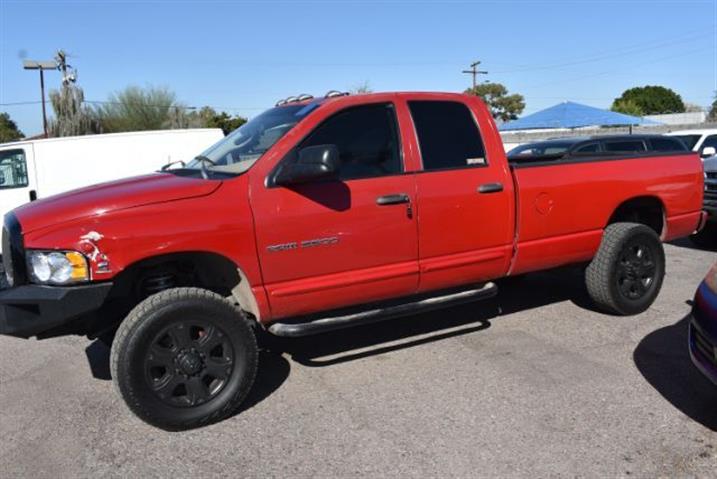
(184, 358)
(707, 238)
(626, 274)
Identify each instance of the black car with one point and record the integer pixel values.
(578, 147)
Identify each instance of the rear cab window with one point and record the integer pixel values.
(13, 169)
(448, 135)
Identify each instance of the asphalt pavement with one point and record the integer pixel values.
(534, 383)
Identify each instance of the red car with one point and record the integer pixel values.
(320, 214)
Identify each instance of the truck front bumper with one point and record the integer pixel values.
(31, 310)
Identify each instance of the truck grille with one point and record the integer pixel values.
(7, 256)
(13, 252)
(712, 175)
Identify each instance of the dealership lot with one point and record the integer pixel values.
(533, 381)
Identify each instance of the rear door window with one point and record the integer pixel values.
(447, 135)
(13, 169)
(625, 146)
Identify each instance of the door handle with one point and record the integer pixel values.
(395, 199)
(490, 188)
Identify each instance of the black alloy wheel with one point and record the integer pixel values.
(188, 363)
(636, 270)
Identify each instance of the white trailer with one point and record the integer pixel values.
(34, 169)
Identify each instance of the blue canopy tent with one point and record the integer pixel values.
(573, 115)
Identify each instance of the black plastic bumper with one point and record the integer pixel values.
(31, 310)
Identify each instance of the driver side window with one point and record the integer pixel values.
(367, 140)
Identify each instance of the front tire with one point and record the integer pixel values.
(184, 358)
(626, 274)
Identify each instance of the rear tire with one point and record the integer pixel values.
(626, 274)
(707, 237)
(184, 358)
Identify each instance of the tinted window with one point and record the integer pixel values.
(589, 148)
(447, 135)
(709, 141)
(689, 140)
(625, 146)
(13, 169)
(667, 144)
(367, 140)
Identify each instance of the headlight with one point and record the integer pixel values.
(57, 267)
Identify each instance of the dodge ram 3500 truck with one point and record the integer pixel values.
(324, 213)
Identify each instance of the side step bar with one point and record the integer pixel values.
(377, 313)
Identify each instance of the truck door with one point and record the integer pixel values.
(17, 177)
(348, 241)
(465, 195)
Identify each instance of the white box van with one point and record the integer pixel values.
(39, 168)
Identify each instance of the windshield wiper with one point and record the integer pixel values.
(169, 165)
(203, 160)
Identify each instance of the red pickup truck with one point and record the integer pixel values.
(324, 213)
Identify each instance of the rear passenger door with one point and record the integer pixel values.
(465, 201)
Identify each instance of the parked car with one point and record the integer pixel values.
(582, 146)
(703, 141)
(707, 236)
(321, 214)
(32, 169)
(703, 327)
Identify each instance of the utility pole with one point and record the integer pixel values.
(475, 72)
(42, 66)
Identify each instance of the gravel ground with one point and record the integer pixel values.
(533, 383)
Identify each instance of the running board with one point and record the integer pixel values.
(377, 313)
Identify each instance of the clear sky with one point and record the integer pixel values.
(242, 56)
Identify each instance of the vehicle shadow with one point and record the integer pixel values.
(686, 243)
(514, 295)
(273, 371)
(664, 361)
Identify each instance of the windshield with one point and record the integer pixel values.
(689, 140)
(241, 148)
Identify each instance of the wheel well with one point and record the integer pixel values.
(646, 210)
(210, 271)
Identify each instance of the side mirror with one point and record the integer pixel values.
(708, 151)
(318, 162)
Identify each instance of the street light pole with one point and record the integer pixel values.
(42, 66)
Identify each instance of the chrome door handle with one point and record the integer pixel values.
(490, 188)
(395, 199)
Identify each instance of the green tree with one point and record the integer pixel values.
(209, 118)
(652, 100)
(629, 107)
(137, 109)
(72, 117)
(8, 129)
(502, 105)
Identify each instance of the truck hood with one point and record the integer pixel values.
(113, 196)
